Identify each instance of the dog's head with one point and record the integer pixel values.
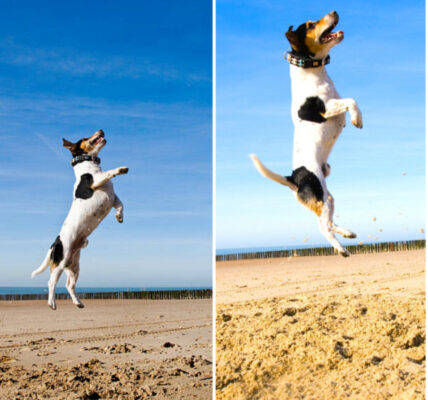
(90, 146)
(315, 39)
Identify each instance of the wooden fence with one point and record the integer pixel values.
(327, 251)
(143, 295)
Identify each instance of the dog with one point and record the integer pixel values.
(93, 199)
(318, 114)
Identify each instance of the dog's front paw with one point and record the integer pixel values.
(122, 170)
(357, 118)
(119, 218)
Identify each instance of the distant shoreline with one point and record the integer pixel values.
(91, 289)
(323, 250)
(180, 294)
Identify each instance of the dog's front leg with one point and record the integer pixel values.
(339, 106)
(119, 209)
(103, 177)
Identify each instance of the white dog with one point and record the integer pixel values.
(92, 201)
(318, 115)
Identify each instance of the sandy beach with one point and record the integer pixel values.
(322, 327)
(111, 349)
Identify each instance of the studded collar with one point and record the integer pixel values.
(306, 62)
(84, 157)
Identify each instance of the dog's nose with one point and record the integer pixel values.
(100, 131)
(334, 14)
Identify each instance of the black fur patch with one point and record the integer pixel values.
(300, 34)
(311, 110)
(83, 190)
(308, 184)
(78, 151)
(57, 253)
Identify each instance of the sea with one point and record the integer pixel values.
(270, 248)
(44, 289)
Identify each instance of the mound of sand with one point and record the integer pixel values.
(321, 347)
(322, 327)
(93, 380)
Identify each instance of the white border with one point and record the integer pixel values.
(426, 182)
(214, 193)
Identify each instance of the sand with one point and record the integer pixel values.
(111, 349)
(322, 327)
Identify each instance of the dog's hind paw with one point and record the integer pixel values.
(80, 305)
(350, 235)
(344, 253)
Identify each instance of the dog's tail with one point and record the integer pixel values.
(283, 180)
(44, 265)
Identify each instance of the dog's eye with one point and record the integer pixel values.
(311, 25)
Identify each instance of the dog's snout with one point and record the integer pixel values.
(334, 13)
(101, 132)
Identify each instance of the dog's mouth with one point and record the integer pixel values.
(98, 139)
(328, 35)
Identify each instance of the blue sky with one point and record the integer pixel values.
(141, 71)
(377, 172)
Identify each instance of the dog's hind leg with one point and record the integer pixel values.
(326, 226)
(53, 280)
(335, 228)
(119, 209)
(72, 276)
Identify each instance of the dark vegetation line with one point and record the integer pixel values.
(327, 251)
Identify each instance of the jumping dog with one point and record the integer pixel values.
(93, 199)
(318, 114)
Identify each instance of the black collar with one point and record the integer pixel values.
(306, 62)
(84, 157)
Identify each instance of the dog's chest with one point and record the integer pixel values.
(89, 206)
(89, 199)
(311, 90)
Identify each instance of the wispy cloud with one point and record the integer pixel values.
(54, 113)
(51, 146)
(65, 60)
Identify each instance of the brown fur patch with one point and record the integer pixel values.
(86, 146)
(313, 205)
(313, 35)
(52, 265)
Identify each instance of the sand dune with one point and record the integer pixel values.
(131, 349)
(322, 327)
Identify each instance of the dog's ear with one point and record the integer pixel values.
(292, 38)
(69, 145)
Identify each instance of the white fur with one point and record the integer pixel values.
(313, 141)
(82, 219)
